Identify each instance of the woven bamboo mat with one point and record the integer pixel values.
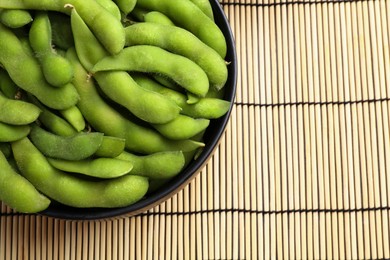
(302, 170)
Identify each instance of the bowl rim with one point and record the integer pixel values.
(217, 126)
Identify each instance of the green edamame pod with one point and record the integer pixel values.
(72, 191)
(106, 119)
(126, 6)
(152, 59)
(182, 42)
(105, 26)
(118, 85)
(28, 200)
(144, 104)
(183, 13)
(208, 108)
(17, 112)
(104, 168)
(76, 147)
(5, 148)
(89, 49)
(52, 121)
(15, 59)
(160, 165)
(157, 17)
(10, 133)
(74, 117)
(111, 7)
(61, 31)
(111, 147)
(205, 6)
(15, 18)
(56, 69)
(183, 127)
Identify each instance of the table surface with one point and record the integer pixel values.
(302, 170)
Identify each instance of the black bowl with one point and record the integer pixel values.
(212, 138)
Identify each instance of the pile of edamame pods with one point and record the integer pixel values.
(102, 100)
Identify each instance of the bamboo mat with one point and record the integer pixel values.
(302, 170)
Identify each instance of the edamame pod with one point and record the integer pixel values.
(205, 6)
(10, 133)
(152, 59)
(17, 112)
(106, 27)
(15, 18)
(104, 168)
(182, 42)
(209, 108)
(111, 147)
(74, 117)
(183, 127)
(183, 13)
(104, 118)
(89, 49)
(15, 59)
(144, 104)
(56, 69)
(17, 192)
(77, 147)
(162, 165)
(72, 191)
(111, 7)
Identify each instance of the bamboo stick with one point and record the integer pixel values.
(208, 206)
(305, 174)
(199, 237)
(162, 232)
(354, 141)
(193, 218)
(205, 221)
(326, 96)
(155, 252)
(186, 225)
(126, 235)
(148, 228)
(255, 146)
(180, 208)
(143, 242)
(383, 138)
(168, 229)
(356, 95)
(279, 128)
(114, 240)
